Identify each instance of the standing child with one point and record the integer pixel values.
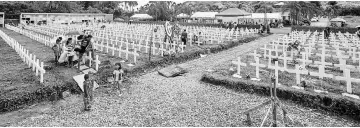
(88, 86)
(118, 76)
(57, 49)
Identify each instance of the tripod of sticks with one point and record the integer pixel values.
(275, 103)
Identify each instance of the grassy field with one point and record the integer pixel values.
(59, 78)
(15, 76)
(288, 79)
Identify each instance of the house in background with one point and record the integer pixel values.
(231, 15)
(183, 17)
(63, 18)
(141, 17)
(204, 17)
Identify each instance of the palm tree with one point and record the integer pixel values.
(295, 8)
(332, 9)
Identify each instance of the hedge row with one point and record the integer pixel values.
(194, 24)
(43, 93)
(334, 103)
(320, 29)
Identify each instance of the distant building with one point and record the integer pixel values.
(63, 18)
(231, 15)
(138, 17)
(204, 17)
(259, 18)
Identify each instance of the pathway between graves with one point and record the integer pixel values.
(153, 100)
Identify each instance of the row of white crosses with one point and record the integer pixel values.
(46, 40)
(321, 74)
(29, 59)
(99, 45)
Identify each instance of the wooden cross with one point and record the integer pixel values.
(348, 79)
(285, 58)
(298, 71)
(257, 65)
(321, 74)
(304, 61)
(343, 65)
(238, 63)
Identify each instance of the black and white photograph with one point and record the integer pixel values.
(179, 63)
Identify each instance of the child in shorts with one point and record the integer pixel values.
(118, 76)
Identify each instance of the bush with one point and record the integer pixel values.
(320, 29)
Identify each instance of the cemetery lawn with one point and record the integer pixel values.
(222, 73)
(15, 76)
(26, 87)
(58, 79)
(155, 101)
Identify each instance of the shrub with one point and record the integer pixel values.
(320, 29)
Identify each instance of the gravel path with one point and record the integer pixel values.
(153, 100)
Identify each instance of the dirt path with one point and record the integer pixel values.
(153, 100)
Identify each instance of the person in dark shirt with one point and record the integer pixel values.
(88, 86)
(184, 37)
(327, 32)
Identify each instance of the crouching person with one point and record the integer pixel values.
(88, 86)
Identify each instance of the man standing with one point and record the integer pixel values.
(184, 37)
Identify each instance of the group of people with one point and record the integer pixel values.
(71, 51)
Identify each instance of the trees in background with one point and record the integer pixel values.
(301, 10)
(17, 7)
(332, 9)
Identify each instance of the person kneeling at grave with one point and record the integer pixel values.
(85, 47)
(88, 86)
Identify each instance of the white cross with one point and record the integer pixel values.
(298, 71)
(285, 58)
(255, 54)
(257, 65)
(304, 61)
(343, 65)
(238, 63)
(348, 79)
(321, 74)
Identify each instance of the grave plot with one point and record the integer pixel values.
(310, 76)
(59, 78)
(55, 79)
(131, 44)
